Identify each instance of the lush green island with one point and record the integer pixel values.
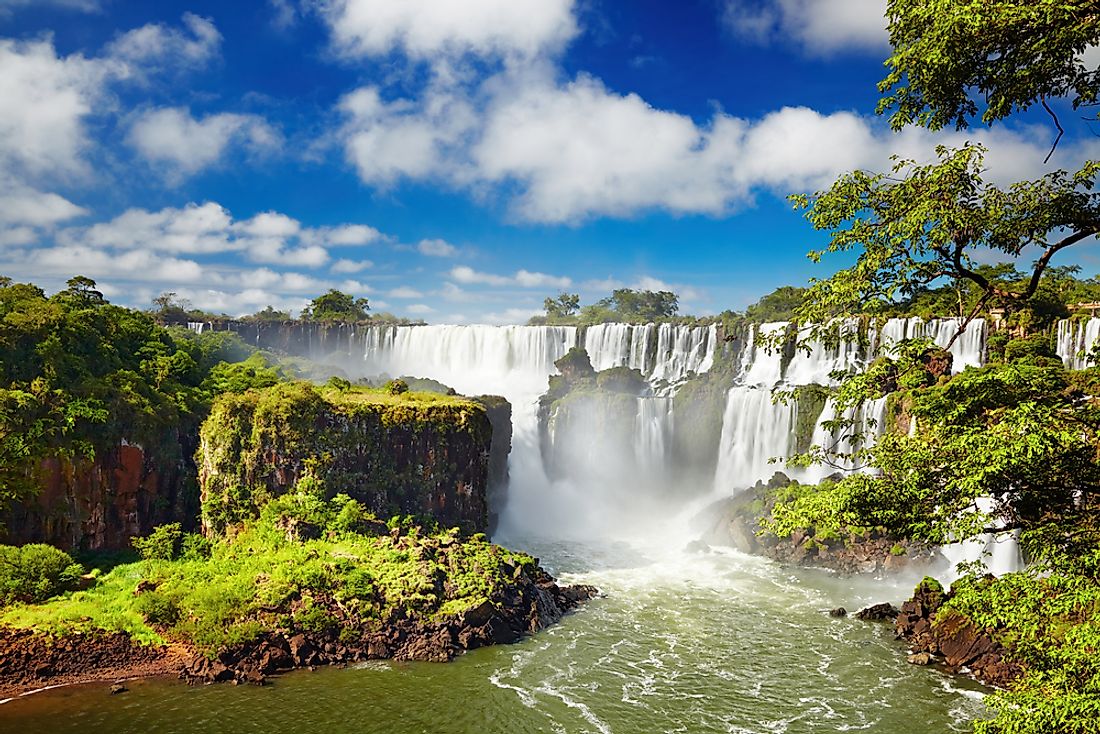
(226, 515)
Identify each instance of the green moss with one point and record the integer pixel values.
(389, 450)
(810, 400)
(898, 550)
(263, 579)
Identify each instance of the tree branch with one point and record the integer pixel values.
(1057, 124)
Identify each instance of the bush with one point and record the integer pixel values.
(35, 572)
(165, 543)
(397, 387)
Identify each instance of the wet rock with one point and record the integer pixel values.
(697, 546)
(838, 612)
(920, 658)
(878, 613)
(117, 688)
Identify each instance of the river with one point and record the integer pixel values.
(680, 642)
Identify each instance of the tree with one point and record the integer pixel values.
(269, 314)
(923, 224)
(641, 306)
(779, 305)
(83, 291)
(951, 58)
(564, 306)
(336, 306)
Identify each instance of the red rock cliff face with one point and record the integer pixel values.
(100, 505)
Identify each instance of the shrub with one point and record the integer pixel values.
(397, 387)
(163, 544)
(35, 572)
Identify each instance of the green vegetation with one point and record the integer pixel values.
(624, 305)
(348, 439)
(78, 375)
(305, 564)
(35, 572)
(1012, 446)
(336, 306)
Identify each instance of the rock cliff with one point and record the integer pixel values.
(409, 453)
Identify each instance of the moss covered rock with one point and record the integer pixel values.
(409, 453)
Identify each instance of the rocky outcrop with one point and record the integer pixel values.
(408, 454)
(525, 607)
(499, 411)
(938, 634)
(100, 504)
(737, 522)
(31, 660)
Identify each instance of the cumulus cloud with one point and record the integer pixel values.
(344, 265)
(819, 26)
(24, 206)
(419, 308)
(208, 228)
(173, 137)
(521, 278)
(405, 292)
(567, 153)
(437, 248)
(7, 7)
(157, 46)
(386, 141)
(431, 28)
(45, 98)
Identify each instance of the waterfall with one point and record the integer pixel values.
(196, 326)
(1075, 339)
(661, 352)
(754, 430)
(516, 361)
(967, 351)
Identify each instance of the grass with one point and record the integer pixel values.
(265, 578)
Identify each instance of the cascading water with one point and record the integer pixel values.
(1075, 339)
(661, 352)
(516, 361)
(759, 433)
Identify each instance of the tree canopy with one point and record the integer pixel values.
(337, 306)
(955, 59)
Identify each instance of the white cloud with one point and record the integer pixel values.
(156, 45)
(511, 316)
(819, 26)
(405, 292)
(268, 237)
(437, 248)
(171, 136)
(522, 278)
(419, 308)
(386, 141)
(348, 235)
(43, 102)
(22, 205)
(431, 28)
(46, 100)
(83, 6)
(350, 266)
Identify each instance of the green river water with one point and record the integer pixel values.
(717, 642)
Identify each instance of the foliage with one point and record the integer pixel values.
(564, 306)
(165, 543)
(78, 375)
(354, 573)
(33, 573)
(920, 224)
(1050, 624)
(780, 305)
(950, 56)
(624, 305)
(336, 306)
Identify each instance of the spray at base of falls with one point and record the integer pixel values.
(516, 362)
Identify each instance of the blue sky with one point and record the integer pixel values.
(453, 161)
